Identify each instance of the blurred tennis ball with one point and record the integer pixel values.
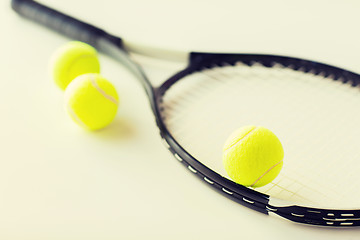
(71, 60)
(91, 101)
(253, 156)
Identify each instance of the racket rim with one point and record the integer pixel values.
(245, 196)
(154, 102)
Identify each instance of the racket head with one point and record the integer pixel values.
(113, 46)
(193, 86)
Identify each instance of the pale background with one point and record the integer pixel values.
(58, 181)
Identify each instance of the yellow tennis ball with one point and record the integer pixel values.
(91, 101)
(71, 60)
(253, 156)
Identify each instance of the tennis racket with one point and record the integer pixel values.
(312, 107)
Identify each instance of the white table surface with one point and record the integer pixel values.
(58, 181)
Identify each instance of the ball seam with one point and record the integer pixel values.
(265, 173)
(241, 139)
(75, 116)
(88, 55)
(102, 92)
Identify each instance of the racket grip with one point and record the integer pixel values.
(61, 22)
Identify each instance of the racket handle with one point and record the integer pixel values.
(62, 23)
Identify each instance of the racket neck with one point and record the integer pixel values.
(112, 47)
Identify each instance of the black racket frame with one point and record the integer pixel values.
(113, 46)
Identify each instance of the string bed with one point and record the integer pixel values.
(315, 117)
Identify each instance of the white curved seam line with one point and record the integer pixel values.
(241, 139)
(247, 200)
(73, 114)
(93, 82)
(265, 173)
(312, 211)
(271, 209)
(349, 223)
(297, 215)
(75, 60)
(178, 157)
(227, 191)
(208, 180)
(341, 219)
(165, 143)
(192, 169)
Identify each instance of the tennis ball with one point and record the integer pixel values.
(253, 156)
(71, 60)
(91, 101)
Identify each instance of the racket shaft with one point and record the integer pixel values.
(62, 23)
